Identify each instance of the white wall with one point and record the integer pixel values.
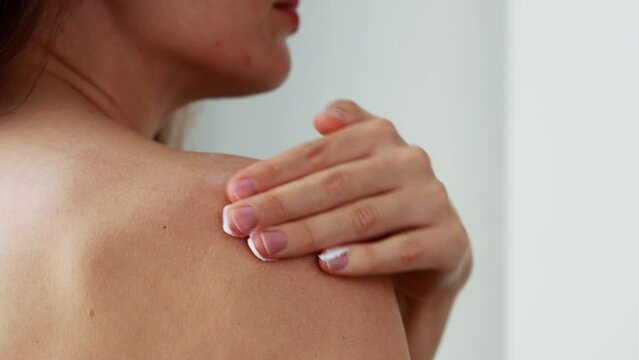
(573, 171)
(436, 70)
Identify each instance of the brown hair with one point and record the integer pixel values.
(18, 20)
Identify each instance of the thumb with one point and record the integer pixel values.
(339, 114)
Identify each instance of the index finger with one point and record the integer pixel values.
(352, 143)
(338, 114)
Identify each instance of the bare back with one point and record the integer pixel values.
(120, 254)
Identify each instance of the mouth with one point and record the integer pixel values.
(286, 4)
(289, 7)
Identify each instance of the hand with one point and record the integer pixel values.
(360, 193)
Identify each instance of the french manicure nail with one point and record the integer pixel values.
(244, 188)
(257, 254)
(226, 225)
(244, 219)
(273, 241)
(335, 258)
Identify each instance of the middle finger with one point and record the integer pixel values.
(362, 220)
(321, 191)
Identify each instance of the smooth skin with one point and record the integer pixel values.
(111, 247)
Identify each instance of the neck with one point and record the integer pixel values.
(113, 77)
(131, 102)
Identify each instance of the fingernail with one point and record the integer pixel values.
(244, 219)
(244, 188)
(335, 258)
(273, 241)
(338, 113)
(257, 254)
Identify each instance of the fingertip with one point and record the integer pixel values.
(335, 260)
(226, 222)
(327, 124)
(257, 247)
(229, 192)
(324, 267)
(346, 104)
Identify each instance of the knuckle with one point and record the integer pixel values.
(412, 159)
(439, 187)
(417, 155)
(385, 129)
(404, 157)
(384, 126)
(314, 152)
(439, 193)
(270, 170)
(275, 204)
(336, 183)
(458, 242)
(309, 236)
(363, 218)
(409, 251)
(371, 261)
(434, 203)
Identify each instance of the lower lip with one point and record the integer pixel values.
(294, 16)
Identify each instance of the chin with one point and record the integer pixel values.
(256, 82)
(249, 78)
(270, 77)
(272, 82)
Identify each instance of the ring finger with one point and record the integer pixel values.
(363, 219)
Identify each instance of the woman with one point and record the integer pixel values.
(113, 245)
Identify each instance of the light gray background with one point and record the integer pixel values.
(572, 176)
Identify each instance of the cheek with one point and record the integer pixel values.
(250, 45)
(249, 36)
(244, 39)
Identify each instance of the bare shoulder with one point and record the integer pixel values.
(134, 263)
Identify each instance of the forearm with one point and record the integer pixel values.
(425, 317)
(424, 323)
